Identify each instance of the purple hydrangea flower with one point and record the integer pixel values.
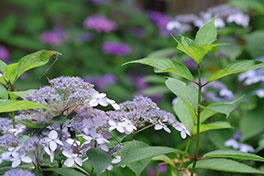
(120, 49)
(161, 21)
(99, 24)
(54, 37)
(97, 2)
(103, 81)
(4, 53)
(138, 32)
(19, 172)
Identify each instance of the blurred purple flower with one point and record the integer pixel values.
(87, 36)
(151, 172)
(99, 23)
(162, 168)
(138, 32)
(120, 49)
(4, 53)
(103, 81)
(54, 37)
(161, 21)
(190, 63)
(139, 81)
(97, 2)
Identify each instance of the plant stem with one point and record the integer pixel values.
(183, 157)
(198, 119)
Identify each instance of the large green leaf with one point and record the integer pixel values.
(22, 94)
(138, 166)
(166, 65)
(3, 92)
(66, 171)
(236, 67)
(187, 93)
(15, 105)
(33, 60)
(212, 126)
(99, 159)
(226, 165)
(146, 152)
(207, 34)
(235, 154)
(10, 72)
(185, 113)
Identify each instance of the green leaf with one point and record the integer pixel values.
(233, 50)
(185, 113)
(187, 93)
(255, 44)
(163, 158)
(2, 66)
(3, 92)
(163, 52)
(260, 145)
(226, 165)
(33, 60)
(154, 90)
(207, 34)
(15, 105)
(99, 159)
(235, 154)
(10, 72)
(147, 152)
(251, 124)
(66, 171)
(166, 65)
(22, 94)
(138, 166)
(214, 108)
(212, 126)
(29, 124)
(236, 67)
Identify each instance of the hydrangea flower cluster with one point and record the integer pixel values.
(120, 49)
(73, 124)
(99, 24)
(140, 111)
(54, 37)
(19, 172)
(101, 82)
(4, 53)
(225, 14)
(233, 142)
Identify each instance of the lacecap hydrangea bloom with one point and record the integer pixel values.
(99, 24)
(72, 125)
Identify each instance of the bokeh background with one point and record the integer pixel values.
(97, 36)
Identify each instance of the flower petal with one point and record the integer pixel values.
(78, 161)
(16, 162)
(183, 135)
(53, 134)
(69, 162)
(67, 153)
(158, 127)
(53, 145)
(93, 102)
(26, 159)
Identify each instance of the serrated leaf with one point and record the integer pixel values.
(187, 93)
(138, 166)
(15, 105)
(99, 159)
(10, 72)
(166, 65)
(206, 34)
(226, 165)
(185, 113)
(236, 67)
(3, 92)
(66, 171)
(211, 126)
(147, 152)
(235, 154)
